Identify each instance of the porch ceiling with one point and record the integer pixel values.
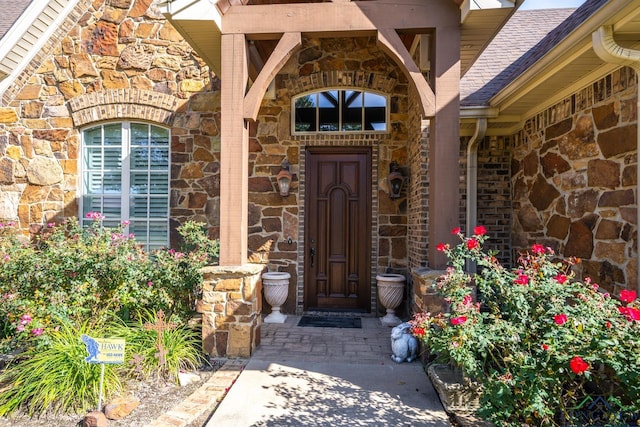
(200, 23)
(569, 66)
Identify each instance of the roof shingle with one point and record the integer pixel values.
(523, 40)
(11, 11)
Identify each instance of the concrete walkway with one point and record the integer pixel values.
(304, 376)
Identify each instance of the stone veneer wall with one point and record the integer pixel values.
(574, 180)
(110, 60)
(231, 305)
(322, 64)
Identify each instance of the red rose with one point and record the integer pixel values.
(441, 247)
(630, 313)
(522, 279)
(560, 319)
(472, 244)
(458, 320)
(560, 278)
(479, 230)
(578, 365)
(627, 295)
(455, 230)
(545, 347)
(537, 248)
(418, 332)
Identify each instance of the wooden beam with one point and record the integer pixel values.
(392, 45)
(444, 146)
(234, 152)
(338, 17)
(286, 47)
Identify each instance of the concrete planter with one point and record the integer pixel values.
(457, 393)
(275, 286)
(390, 293)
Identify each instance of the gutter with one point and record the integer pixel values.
(472, 180)
(609, 51)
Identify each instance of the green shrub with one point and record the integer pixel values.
(539, 341)
(75, 273)
(160, 355)
(56, 378)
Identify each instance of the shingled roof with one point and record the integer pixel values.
(524, 40)
(11, 11)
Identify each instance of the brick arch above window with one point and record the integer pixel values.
(353, 79)
(123, 103)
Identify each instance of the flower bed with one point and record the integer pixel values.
(538, 340)
(69, 281)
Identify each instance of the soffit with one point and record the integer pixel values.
(32, 23)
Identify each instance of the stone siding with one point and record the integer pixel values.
(231, 309)
(323, 64)
(109, 60)
(574, 180)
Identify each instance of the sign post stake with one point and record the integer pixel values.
(101, 387)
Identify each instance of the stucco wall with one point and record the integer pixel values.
(114, 60)
(574, 180)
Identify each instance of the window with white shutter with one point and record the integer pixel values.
(125, 176)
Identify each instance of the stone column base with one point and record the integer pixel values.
(231, 309)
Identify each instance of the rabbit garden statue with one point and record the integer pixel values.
(403, 344)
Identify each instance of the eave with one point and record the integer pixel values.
(28, 35)
(569, 66)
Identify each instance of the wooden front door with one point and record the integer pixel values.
(338, 228)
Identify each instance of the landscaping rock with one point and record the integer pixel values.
(120, 407)
(94, 419)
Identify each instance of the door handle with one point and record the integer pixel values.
(312, 254)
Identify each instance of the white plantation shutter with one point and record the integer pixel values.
(125, 176)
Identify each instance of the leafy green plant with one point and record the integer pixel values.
(56, 378)
(538, 340)
(158, 347)
(195, 240)
(70, 272)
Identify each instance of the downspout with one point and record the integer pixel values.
(609, 51)
(472, 185)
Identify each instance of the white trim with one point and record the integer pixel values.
(29, 33)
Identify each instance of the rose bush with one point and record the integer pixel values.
(70, 274)
(540, 341)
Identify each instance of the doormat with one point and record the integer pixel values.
(330, 322)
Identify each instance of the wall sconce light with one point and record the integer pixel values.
(395, 180)
(284, 179)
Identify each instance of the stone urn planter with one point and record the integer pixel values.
(390, 293)
(457, 393)
(275, 286)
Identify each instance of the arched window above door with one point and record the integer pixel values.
(340, 110)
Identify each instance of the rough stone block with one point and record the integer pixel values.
(94, 419)
(239, 341)
(120, 407)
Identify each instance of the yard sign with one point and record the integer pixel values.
(103, 351)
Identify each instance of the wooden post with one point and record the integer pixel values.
(234, 152)
(444, 145)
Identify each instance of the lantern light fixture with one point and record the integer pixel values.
(284, 179)
(395, 180)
